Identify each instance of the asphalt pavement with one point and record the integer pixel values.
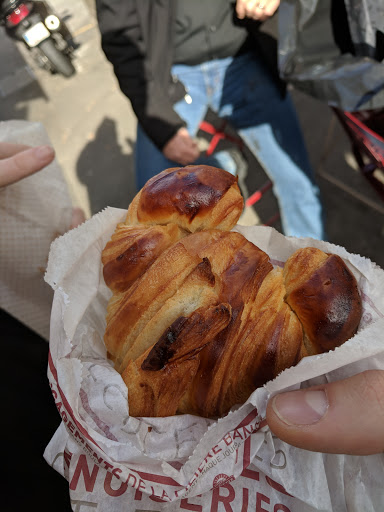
(92, 127)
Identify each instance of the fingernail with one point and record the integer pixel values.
(43, 152)
(301, 407)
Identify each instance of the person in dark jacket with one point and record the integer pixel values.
(174, 59)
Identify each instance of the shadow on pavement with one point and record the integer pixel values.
(12, 107)
(18, 85)
(103, 155)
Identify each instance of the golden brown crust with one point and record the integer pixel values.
(241, 267)
(300, 266)
(263, 338)
(135, 307)
(157, 394)
(199, 317)
(327, 303)
(160, 376)
(198, 290)
(203, 199)
(132, 250)
(186, 336)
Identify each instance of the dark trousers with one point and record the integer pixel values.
(29, 420)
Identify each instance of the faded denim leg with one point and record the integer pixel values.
(268, 125)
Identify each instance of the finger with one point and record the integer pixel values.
(346, 416)
(189, 155)
(186, 139)
(251, 7)
(24, 164)
(194, 151)
(78, 217)
(188, 148)
(271, 7)
(262, 9)
(8, 149)
(240, 9)
(192, 147)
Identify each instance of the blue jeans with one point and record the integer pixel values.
(241, 91)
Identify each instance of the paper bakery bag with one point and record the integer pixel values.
(113, 461)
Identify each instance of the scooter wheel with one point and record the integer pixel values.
(59, 62)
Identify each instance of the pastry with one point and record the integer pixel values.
(199, 317)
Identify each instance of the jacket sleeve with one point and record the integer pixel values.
(123, 44)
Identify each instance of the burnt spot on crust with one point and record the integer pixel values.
(204, 271)
(329, 308)
(163, 350)
(186, 336)
(185, 192)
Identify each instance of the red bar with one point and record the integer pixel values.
(256, 196)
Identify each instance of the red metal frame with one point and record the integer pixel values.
(218, 134)
(221, 134)
(367, 144)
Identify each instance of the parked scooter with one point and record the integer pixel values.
(44, 34)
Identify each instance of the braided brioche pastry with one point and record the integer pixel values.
(199, 318)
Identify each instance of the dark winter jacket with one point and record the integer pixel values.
(137, 40)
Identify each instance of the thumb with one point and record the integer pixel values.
(346, 416)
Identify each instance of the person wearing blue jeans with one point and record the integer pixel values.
(220, 67)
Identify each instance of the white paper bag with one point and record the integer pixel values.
(115, 462)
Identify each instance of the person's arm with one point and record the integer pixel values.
(345, 416)
(18, 161)
(124, 46)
